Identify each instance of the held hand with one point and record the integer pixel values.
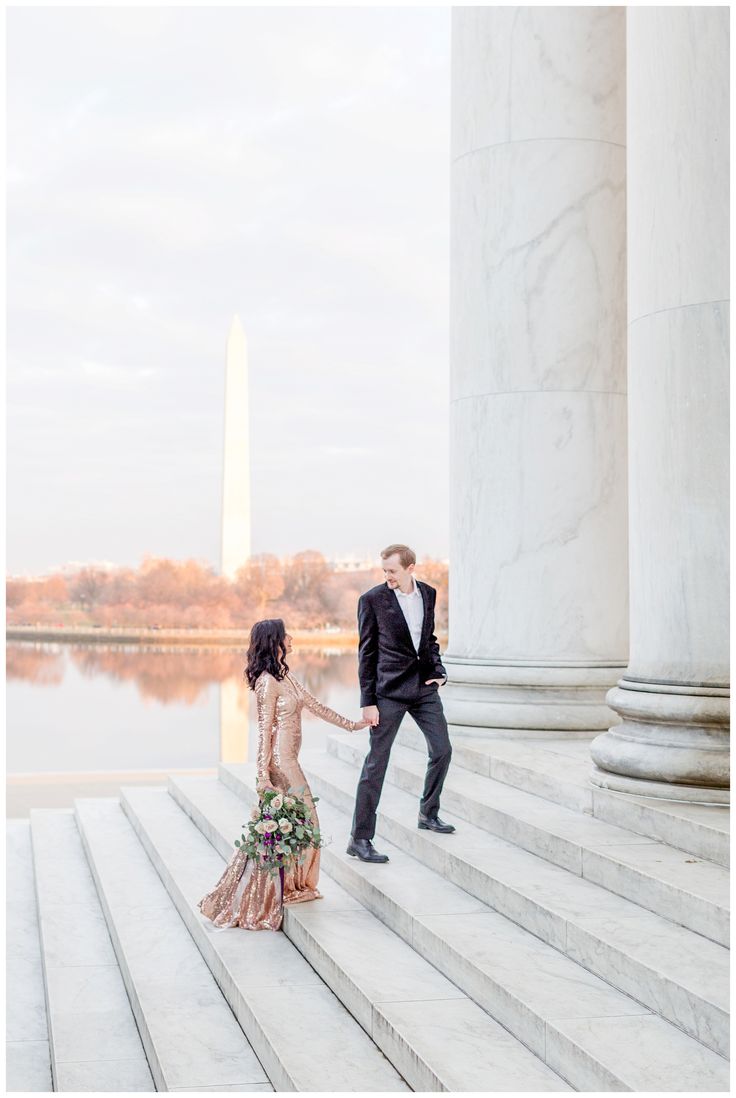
(360, 724)
(370, 715)
(430, 681)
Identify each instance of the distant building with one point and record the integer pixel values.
(352, 564)
(73, 566)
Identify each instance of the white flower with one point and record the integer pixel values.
(289, 802)
(255, 814)
(260, 827)
(269, 826)
(285, 827)
(281, 849)
(277, 803)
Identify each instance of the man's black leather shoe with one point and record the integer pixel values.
(434, 823)
(363, 849)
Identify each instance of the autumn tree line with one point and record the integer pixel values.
(306, 590)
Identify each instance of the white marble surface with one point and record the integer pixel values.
(522, 982)
(234, 1087)
(512, 880)
(678, 214)
(703, 830)
(254, 970)
(550, 902)
(538, 383)
(679, 495)
(101, 1076)
(679, 1065)
(188, 1030)
(455, 1046)
(678, 117)
(28, 1065)
(336, 1050)
(525, 73)
(91, 1021)
(529, 818)
(538, 503)
(367, 965)
(25, 1003)
(539, 227)
(363, 961)
(672, 883)
(684, 977)
(525, 764)
(91, 1015)
(407, 884)
(647, 872)
(560, 770)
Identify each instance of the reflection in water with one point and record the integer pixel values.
(110, 715)
(36, 663)
(164, 675)
(168, 675)
(234, 720)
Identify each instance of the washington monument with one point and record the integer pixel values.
(236, 461)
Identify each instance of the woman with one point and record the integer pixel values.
(243, 896)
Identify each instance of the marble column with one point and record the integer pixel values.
(538, 591)
(673, 697)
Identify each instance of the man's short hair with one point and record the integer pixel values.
(406, 555)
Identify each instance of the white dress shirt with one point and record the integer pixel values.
(412, 607)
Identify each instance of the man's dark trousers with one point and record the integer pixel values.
(427, 711)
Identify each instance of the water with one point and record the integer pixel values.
(84, 719)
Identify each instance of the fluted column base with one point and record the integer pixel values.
(482, 695)
(672, 742)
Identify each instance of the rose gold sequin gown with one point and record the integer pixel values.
(244, 897)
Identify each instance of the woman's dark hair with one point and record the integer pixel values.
(267, 650)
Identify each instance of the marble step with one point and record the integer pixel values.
(680, 975)
(531, 988)
(27, 1055)
(684, 889)
(559, 770)
(260, 973)
(191, 1038)
(94, 1041)
(526, 764)
(434, 1034)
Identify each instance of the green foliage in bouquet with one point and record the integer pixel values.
(279, 832)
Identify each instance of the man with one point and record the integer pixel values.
(400, 672)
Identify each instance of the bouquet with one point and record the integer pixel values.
(279, 832)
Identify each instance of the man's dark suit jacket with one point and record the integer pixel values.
(388, 664)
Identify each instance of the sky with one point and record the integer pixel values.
(169, 168)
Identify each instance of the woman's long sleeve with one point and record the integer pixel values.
(321, 710)
(266, 695)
